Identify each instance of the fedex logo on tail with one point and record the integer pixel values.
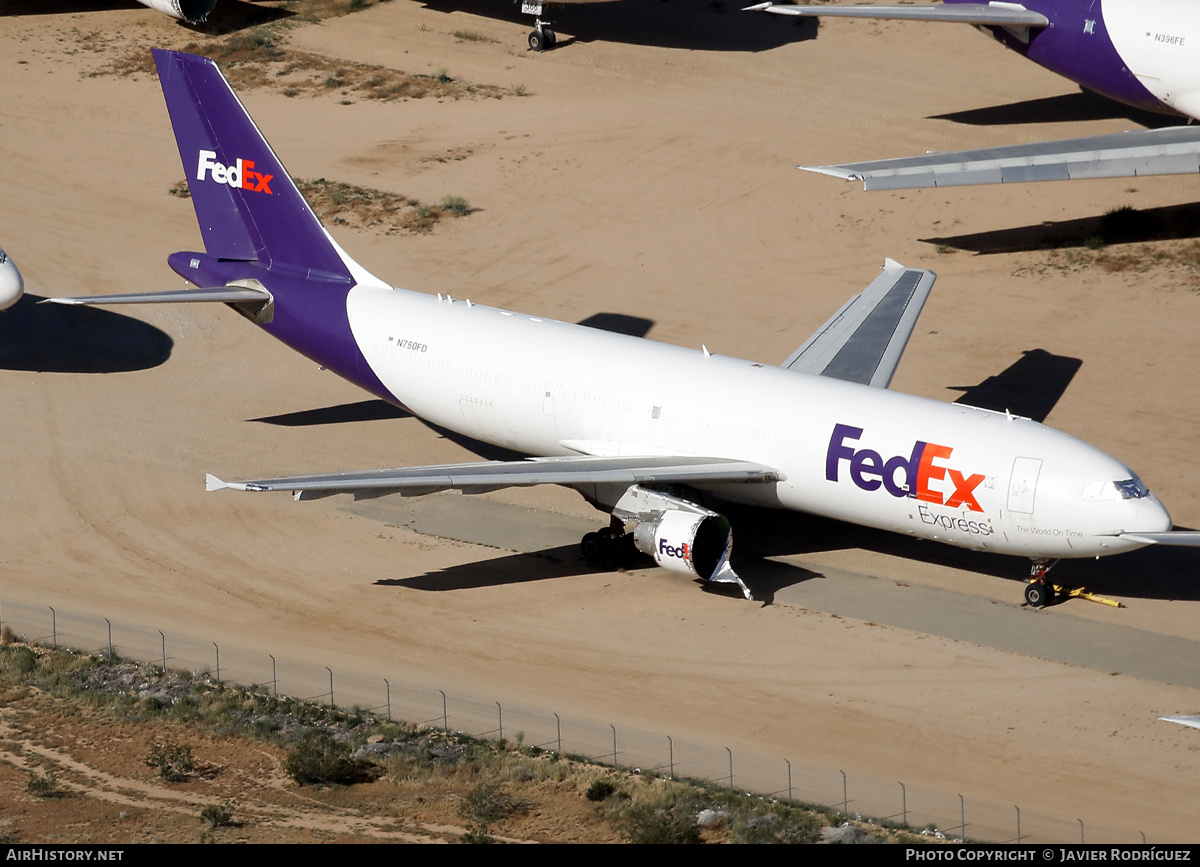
(902, 476)
(240, 176)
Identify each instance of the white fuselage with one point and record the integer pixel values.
(1159, 41)
(12, 287)
(956, 474)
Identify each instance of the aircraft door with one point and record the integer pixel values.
(1023, 486)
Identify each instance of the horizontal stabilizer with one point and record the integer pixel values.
(1181, 538)
(980, 14)
(1170, 151)
(493, 475)
(226, 294)
(864, 340)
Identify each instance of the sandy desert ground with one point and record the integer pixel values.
(647, 171)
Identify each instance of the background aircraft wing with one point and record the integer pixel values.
(863, 341)
(1171, 151)
(483, 476)
(1001, 14)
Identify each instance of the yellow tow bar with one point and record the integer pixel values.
(1084, 594)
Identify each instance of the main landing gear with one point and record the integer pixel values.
(609, 549)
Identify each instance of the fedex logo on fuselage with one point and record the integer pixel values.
(240, 176)
(869, 471)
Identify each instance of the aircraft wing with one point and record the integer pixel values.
(981, 14)
(1183, 720)
(1181, 538)
(863, 341)
(480, 477)
(1171, 151)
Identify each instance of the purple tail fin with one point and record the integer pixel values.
(246, 204)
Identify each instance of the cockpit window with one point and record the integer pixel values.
(1131, 489)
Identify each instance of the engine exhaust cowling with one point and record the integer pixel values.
(686, 541)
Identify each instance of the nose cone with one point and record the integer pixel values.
(11, 284)
(1152, 516)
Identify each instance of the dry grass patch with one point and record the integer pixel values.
(318, 10)
(1175, 264)
(343, 204)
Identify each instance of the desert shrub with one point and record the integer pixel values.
(218, 817)
(174, 762)
(488, 802)
(1121, 224)
(42, 785)
(318, 759)
(455, 204)
(600, 790)
(648, 824)
(23, 660)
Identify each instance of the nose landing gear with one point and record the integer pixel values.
(1039, 592)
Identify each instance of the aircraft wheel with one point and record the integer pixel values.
(626, 552)
(537, 41)
(1038, 595)
(596, 547)
(550, 38)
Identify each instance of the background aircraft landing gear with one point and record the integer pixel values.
(542, 37)
(1038, 592)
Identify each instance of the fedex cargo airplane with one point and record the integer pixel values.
(656, 435)
(1144, 53)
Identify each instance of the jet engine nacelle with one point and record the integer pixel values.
(686, 541)
(680, 535)
(190, 11)
(12, 287)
